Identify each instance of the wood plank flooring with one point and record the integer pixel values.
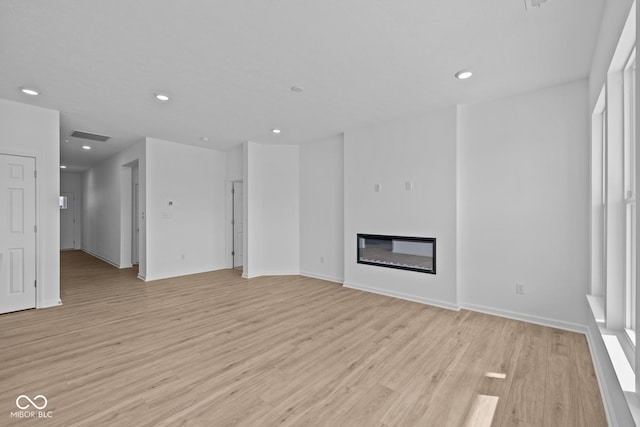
(214, 349)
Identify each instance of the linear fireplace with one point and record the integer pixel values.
(405, 253)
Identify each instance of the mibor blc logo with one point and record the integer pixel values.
(31, 407)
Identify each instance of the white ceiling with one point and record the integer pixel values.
(229, 65)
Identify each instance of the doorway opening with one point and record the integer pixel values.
(237, 224)
(67, 221)
(135, 216)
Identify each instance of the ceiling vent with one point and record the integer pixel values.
(528, 4)
(90, 136)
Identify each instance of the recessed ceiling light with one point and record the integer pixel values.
(29, 91)
(86, 147)
(161, 96)
(463, 74)
(276, 131)
(66, 140)
(297, 88)
(204, 138)
(63, 166)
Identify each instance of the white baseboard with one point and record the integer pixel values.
(102, 258)
(141, 277)
(543, 321)
(322, 277)
(281, 273)
(270, 273)
(50, 303)
(181, 274)
(568, 326)
(408, 297)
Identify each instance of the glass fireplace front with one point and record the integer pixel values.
(406, 253)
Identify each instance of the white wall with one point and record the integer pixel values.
(272, 206)
(71, 182)
(106, 213)
(234, 164)
(27, 130)
(523, 205)
(421, 150)
(322, 209)
(189, 236)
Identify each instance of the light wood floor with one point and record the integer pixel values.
(215, 349)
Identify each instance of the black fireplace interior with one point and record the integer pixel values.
(405, 253)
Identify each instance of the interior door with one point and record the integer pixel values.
(67, 221)
(17, 233)
(238, 223)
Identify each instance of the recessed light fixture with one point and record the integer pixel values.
(297, 88)
(63, 166)
(463, 74)
(161, 96)
(86, 147)
(204, 138)
(276, 131)
(66, 140)
(29, 91)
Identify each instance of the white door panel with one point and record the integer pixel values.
(17, 233)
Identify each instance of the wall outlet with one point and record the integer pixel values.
(321, 260)
(377, 188)
(408, 185)
(519, 288)
(182, 257)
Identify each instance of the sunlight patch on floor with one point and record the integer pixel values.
(482, 411)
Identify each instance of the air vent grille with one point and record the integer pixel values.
(90, 136)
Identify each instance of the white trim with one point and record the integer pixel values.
(537, 320)
(400, 295)
(272, 273)
(50, 303)
(602, 383)
(543, 321)
(322, 277)
(596, 303)
(142, 277)
(100, 257)
(190, 273)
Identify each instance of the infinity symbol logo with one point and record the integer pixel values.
(22, 397)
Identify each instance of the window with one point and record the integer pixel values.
(614, 240)
(613, 204)
(629, 94)
(598, 197)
